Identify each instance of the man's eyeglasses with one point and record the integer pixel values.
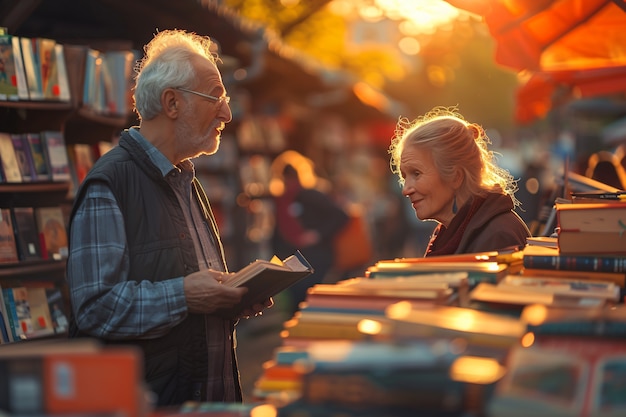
(218, 100)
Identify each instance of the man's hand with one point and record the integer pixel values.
(256, 310)
(205, 293)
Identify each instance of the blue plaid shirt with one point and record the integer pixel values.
(112, 305)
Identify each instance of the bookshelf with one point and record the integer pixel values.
(77, 123)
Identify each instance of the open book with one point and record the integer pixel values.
(265, 279)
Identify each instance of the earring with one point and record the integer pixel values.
(454, 207)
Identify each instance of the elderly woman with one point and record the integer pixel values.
(451, 177)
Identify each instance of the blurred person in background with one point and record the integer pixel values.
(146, 262)
(307, 219)
(451, 177)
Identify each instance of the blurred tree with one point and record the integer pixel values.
(454, 66)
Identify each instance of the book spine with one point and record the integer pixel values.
(7, 294)
(576, 263)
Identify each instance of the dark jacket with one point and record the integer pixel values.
(160, 248)
(492, 226)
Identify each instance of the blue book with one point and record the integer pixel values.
(9, 302)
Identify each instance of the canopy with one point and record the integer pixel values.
(551, 35)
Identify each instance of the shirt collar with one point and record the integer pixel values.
(156, 157)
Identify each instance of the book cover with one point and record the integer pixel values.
(265, 279)
(549, 258)
(58, 160)
(9, 303)
(64, 93)
(618, 278)
(493, 297)
(81, 159)
(478, 328)
(26, 233)
(117, 71)
(51, 225)
(47, 67)
(92, 81)
(477, 271)
(24, 158)
(8, 158)
(31, 68)
(57, 307)
(12, 77)
(592, 217)
(40, 314)
(599, 243)
(7, 332)
(562, 287)
(38, 153)
(377, 294)
(8, 247)
(22, 309)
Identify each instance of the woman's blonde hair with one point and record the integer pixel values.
(455, 144)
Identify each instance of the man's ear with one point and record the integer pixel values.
(169, 102)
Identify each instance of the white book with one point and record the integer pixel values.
(31, 68)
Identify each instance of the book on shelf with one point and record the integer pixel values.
(58, 310)
(607, 217)
(81, 158)
(93, 91)
(8, 159)
(58, 160)
(52, 231)
(13, 79)
(26, 233)
(4, 329)
(8, 246)
(62, 77)
(117, 71)
(39, 156)
(40, 314)
(265, 279)
(55, 83)
(22, 309)
(32, 68)
(24, 158)
(11, 316)
(598, 243)
(47, 66)
(7, 320)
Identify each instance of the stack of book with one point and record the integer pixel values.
(395, 379)
(480, 267)
(551, 262)
(570, 363)
(597, 227)
(515, 292)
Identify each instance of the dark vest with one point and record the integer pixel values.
(159, 248)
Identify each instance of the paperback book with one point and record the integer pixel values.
(265, 279)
